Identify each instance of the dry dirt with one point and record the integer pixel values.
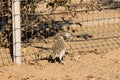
(91, 65)
(88, 66)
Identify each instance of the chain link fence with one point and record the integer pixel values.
(5, 32)
(95, 25)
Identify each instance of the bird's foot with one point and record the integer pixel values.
(63, 63)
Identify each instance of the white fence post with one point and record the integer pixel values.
(16, 31)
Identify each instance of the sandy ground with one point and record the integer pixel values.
(88, 66)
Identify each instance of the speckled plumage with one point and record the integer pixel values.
(58, 48)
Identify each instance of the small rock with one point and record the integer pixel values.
(77, 58)
(10, 76)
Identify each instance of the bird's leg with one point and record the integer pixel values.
(51, 60)
(60, 60)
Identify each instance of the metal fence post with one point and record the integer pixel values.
(16, 31)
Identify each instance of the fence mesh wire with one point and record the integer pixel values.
(95, 26)
(5, 32)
